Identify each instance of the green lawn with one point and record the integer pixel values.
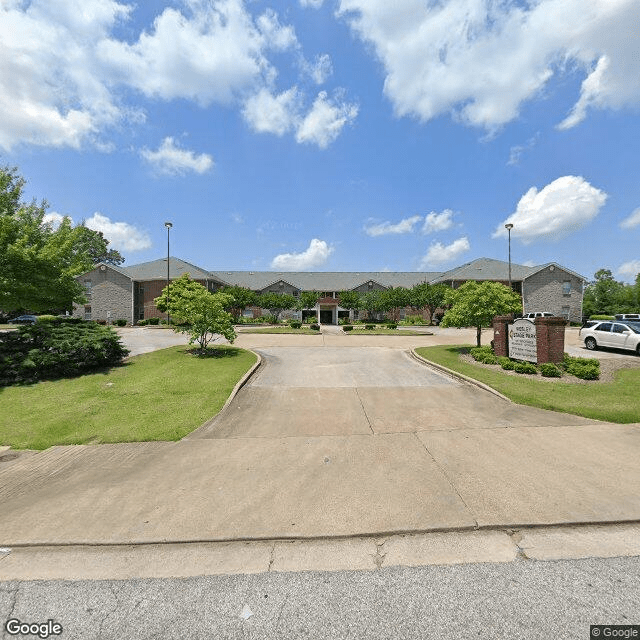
(613, 402)
(304, 331)
(162, 395)
(357, 330)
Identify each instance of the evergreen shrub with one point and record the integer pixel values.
(525, 367)
(59, 348)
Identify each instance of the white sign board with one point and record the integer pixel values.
(523, 344)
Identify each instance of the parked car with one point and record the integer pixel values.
(24, 320)
(628, 316)
(538, 314)
(615, 335)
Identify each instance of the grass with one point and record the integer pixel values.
(360, 330)
(304, 331)
(162, 395)
(610, 401)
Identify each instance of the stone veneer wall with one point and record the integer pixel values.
(110, 291)
(543, 292)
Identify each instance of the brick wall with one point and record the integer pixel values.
(550, 339)
(110, 297)
(500, 337)
(543, 291)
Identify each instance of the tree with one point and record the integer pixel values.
(38, 264)
(307, 300)
(241, 299)
(604, 295)
(350, 300)
(202, 312)
(96, 246)
(429, 296)
(277, 302)
(372, 302)
(393, 300)
(475, 304)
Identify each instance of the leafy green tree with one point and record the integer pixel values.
(307, 300)
(39, 263)
(429, 296)
(241, 299)
(350, 300)
(96, 246)
(372, 302)
(395, 299)
(203, 313)
(474, 304)
(277, 302)
(604, 295)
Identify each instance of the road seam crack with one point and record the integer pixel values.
(364, 411)
(444, 473)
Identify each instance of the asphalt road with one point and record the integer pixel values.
(522, 600)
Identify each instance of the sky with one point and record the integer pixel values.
(332, 135)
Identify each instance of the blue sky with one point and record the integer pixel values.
(335, 135)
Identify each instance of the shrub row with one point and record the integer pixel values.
(584, 368)
(58, 348)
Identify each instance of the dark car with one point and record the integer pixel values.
(24, 320)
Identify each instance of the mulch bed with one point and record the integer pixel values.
(608, 367)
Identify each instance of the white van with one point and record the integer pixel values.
(538, 314)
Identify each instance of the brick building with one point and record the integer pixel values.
(129, 292)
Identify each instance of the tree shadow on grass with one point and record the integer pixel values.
(215, 352)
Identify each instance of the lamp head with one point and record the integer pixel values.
(168, 225)
(508, 226)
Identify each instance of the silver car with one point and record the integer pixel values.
(615, 335)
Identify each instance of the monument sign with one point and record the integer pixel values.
(523, 340)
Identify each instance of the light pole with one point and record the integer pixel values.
(168, 225)
(508, 227)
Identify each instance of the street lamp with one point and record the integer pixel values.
(168, 225)
(508, 227)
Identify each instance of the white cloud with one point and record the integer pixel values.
(632, 221)
(214, 54)
(480, 61)
(314, 4)
(170, 159)
(120, 235)
(386, 228)
(318, 70)
(441, 254)
(563, 206)
(54, 219)
(438, 221)
(630, 269)
(50, 90)
(63, 68)
(314, 256)
(277, 114)
(324, 122)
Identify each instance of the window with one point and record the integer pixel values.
(87, 312)
(565, 312)
(566, 288)
(603, 326)
(619, 328)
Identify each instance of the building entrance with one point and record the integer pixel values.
(326, 316)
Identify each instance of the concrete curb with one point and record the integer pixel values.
(455, 374)
(232, 395)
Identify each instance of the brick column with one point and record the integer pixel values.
(550, 338)
(500, 337)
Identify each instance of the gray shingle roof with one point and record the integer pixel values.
(322, 280)
(157, 270)
(486, 269)
(480, 269)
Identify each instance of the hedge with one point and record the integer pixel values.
(59, 348)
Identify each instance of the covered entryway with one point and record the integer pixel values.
(326, 316)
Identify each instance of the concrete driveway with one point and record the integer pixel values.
(323, 391)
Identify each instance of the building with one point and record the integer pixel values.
(129, 292)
